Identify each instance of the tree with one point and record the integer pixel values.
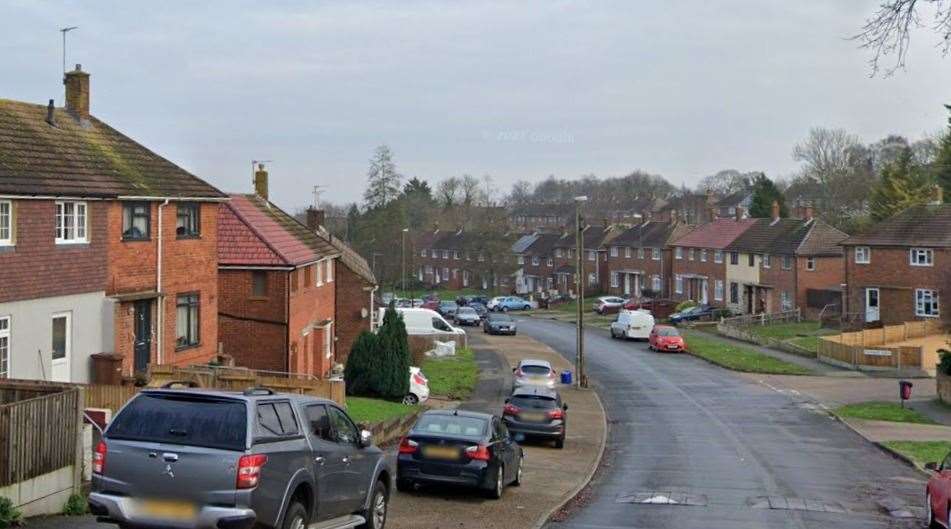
(447, 192)
(394, 357)
(888, 30)
(363, 368)
(765, 193)
(841, 168)
(418, 203)
(383, 182)
(942, 162)
(903, 184)
(726, 182)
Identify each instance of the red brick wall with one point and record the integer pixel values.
(37, 267)
(309, 306)
(829, 274)
(711, 269)
(890, 271)
(350, 299)
(780, 280)
(453, 282)
(253, 329)
(648, 265)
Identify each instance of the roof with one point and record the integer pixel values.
(790, 237)
(523, 243)
(255, 232)
(924, 225)
(592, 237)
(83, 158)
(352, 260)
(734, 199)
(651, 234)
(543, 210)
(717, 234)
(543, 244)
(822, 240)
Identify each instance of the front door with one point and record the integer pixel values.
(62, 338)
(142, 341)
(872, 312)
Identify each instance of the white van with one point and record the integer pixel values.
(423, 321)
(632, 324)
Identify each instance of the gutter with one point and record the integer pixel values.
(176, 199)
(160, 317)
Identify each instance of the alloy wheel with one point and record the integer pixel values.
(379, 510)
(297, 523)
(499, 482)
(411, 400)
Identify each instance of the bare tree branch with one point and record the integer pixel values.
(888, 31)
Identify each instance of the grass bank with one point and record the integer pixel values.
(452, 377)
(921, 452)
(738, 358)
(367, 410)
(803, 334)
(882, 411)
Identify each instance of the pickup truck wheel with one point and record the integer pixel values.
(295, 517)
(376, 515)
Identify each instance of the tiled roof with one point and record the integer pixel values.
(290, 241)
(238, 245)
(592, 238)
(733, 200)
(925, 225)
(544, 210)
(717, 234)
(84, 158)
(651, 234)
(543, 244)
(352, 260)
(768, 236)
(822, 240)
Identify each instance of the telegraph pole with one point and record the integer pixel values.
(580, 280)
(403, 260)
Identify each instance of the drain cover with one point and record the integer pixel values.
(663, 498)
(784, 503)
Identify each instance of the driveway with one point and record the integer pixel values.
(693, 445)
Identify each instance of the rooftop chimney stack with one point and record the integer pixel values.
(775, 210)
(77, 92)
(739, 213)
(315, 218)
(260, 182)
(49, 113)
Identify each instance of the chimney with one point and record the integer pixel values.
(739, 213)
(938, 195)
(260, 182)
(775, 210)
(49, 113)
(808, 211)
(77, 92)
(315, 218)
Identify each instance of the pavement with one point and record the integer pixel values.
(692, 445)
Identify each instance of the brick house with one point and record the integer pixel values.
(564, 259)
(276, 282)
(639, 258)
(536, 264)
(442, 259)
(699, 262)
(899, 269)
(532, 217)
(105, 247)
(689, 208)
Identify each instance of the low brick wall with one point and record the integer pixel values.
(944, 387)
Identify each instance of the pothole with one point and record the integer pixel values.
(784, 503)
(663, 498)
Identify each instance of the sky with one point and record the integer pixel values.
(516, 90)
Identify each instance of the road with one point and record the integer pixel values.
(734, 453)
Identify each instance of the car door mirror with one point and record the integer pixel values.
(564, 407)
(507, 400)
(933, 466)
(366, 438)
(514, 369)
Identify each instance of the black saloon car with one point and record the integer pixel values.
(499, 323)
(535, 411)
(452, 447)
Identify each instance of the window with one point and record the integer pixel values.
(718, 256)
(445, 254)
(422, 253)
(614, 279)
(558, 252)
(343, 427)
(787, 262)
(6, 223)
(429, 269)
(329, 270)
(703, 255)
(640, 253)
(481, 257)
(319, 422)
(718, 290)
(678, 253)
(614, 251)
(173, 419)
(276, 418)
(811, 264)
(535, 260)
(188, 220)
(549, 262)
(592, 255)
(259, 284)
(863, 255)
(766, 261)
(926, 303)
(678, 284)
(922, 257)
(751, 260)
(734, 293)
(136, 220)
(592, 279)
(468, 256)
(455, 254)
(627, 252)
(329, 341)
(70, 222)
(656, 283)
(186, 321)
(5, 347)
(734, 258)
(732, 211)
(445, 274)
(520, 259)
(785, 300)
(319, 273)
(61, 337)
(690, 254)
(655, 254)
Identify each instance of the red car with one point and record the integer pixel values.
(938, 493)
(666, 338)
(430, 304)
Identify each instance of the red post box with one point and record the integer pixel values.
(904, 391)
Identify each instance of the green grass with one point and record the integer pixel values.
(921, 452)
(882, 411)
(452, 376)
(738, 358)
(367, 410)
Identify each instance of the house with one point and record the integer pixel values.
(564, 259)
(105, 247)
(699, 263)
(457, 259)
(738, 202)
(779, 261)
(687, 207)
(536, 264)
(276, 280)
(540, 216)
(900, 268)
(639, 258)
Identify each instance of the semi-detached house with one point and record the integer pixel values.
(699, 263)
(640, 259)
(105, 247)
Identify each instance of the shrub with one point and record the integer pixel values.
(684, 305)
(378, 365)
(75, 506)
(9, 514)
(362, 367)
(944, 366)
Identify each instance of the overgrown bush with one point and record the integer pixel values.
(75, 506)
(362, 367)
(9, 515)
(684, 305)
(944, 366)
(378, 365)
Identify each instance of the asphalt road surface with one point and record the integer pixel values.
(691, 445)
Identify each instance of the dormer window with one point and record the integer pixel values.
(921, 257)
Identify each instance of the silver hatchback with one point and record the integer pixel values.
(534, 373)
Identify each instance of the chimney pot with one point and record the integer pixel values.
(260, 182)
(49, 113)
(77, 92)
(739, 213)
(775, 210)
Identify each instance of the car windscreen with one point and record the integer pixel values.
(451, 425)
(535, 370)
(184, 420)
(500, 318)
(534, 402)
(466, 310)
(668, 331)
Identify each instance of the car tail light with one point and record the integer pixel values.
(556, 414)
(419, 380)
(551, 374)
(518, 373)
(511, 409)
(478, 452)
(249, 470)
(408, 446)
(99, 458)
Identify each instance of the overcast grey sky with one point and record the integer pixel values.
(518, 90)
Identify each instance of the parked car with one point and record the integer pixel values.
(495, 323)
(512, 303)
(418, 387)
(494, 302)
(536, 412)
(534, 373)
(479, 308)
(661, 309)
(422, 322)
(466, 316)
(607, 304)
(459, 448)
(632, 324)
(431, 304)
(938, 494)
(193, 458)
(448, 309)
(666, 338)
(696, 313)
(476, 299)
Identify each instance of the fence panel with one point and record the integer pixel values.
(38, 435)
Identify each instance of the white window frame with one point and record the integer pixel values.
(614, 252)
(927, 303)
(785, 301)
(656, 283)
(422, 253)
(718, 256)
(481, 257)
(678, 253)
(5, 356)
(519, 259)
(330, 271)
(678, 284)
(690, 254)
(627, 252)
(429, 269)
(6, 239)
(535, 260)
(319, 274)
(765, 260)
(811, 264)
(640, 253)
(455, 254)
(75, 216)
(863, 255)
(592, 255)
(655, 254)
(787, 263)
(703, 255)
(329, 340)
(921, 257)
(445, 254)
(615, 279)
(549, 262)
(718, 290)
(558, 252)
(445, 274)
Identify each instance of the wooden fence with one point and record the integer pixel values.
(889, 333)
(238, 379)
(872, 356)
(763, 318)
(39, 429)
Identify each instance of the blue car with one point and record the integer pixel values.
(511, 303)
(695, 313)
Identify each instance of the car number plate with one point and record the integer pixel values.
(441, 452)
(167, 510)
(534, 417)
(672, 347)
(503, 328)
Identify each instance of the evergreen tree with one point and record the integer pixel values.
(383, 182)
(394, 357)
(362, 369)
(942, 163)
(764, 193)
(903, 184)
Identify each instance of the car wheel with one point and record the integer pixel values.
(505, 309)
(411, 400)
(498, 485)
(518, 473)
(527, 307)
(404, 485)
(375, 516)
(560, 443)
(295, 517)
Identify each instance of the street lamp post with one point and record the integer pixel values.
(579, 281)
(403, 260)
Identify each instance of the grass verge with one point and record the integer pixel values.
(739, 358)
(921, 452)
(452, 376)
(882, 411)
(367, 410)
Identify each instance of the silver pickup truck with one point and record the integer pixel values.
(199, 459)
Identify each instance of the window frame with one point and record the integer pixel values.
(254, 283)
(718, 256)
(678, 252)
(614, 251)
(766, 260)
(734, 292)
(678, 284)
(703, 255)
(8, 240)
(640, 252)
(535, 260)
(915, 253)
(657, 283)
(655, 254)
(193, 305)
(615, 280)
(787, 262)
(188, 207)
(810, 264)
(718, 290)
(933, 304)
(329, 271)
(690, 254)
(127, 206)
(6, 333)
(735, 258)
(60, 219)
(592, 255)
(549, 262)
(867, 255)
(751, 260)
(422, 253)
